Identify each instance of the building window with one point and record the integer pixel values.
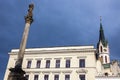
(81, 63)
(106, 59)
(29, 64)
(67, 63)
(38, 64)
(35, 77)
(67, 77)
(47, 63)
(57, 63)
(101, 49)
(82, 77)
(27, 77)
(46, 77)
(56, 77)
(102, 59)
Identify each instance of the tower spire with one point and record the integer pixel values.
(101, 34)
(102, 46)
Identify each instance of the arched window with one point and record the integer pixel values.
(102, 58)
(101, 49)
(106, 59)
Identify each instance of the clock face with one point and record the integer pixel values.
(105, 50)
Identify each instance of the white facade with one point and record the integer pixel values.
(68, 63)
(74, 54)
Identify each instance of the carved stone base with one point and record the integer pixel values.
(16, 74)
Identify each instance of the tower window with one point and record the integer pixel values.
(102, 59)
(81, 63)
(101, 49)
(67, 63)
(47, 63)
(57, 63)
(29, 64)
(38, 64)
(106, 59)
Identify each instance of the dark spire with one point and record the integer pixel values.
(101, 34)
(101, 37)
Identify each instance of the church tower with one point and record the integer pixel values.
(102, 46)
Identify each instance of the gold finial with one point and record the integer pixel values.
(28, 18)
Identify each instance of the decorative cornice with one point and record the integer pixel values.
(82, 71)
(67, 72)
(38, 58)
(57, 50)
(82, 57)
(58, 58)
(68, 58)
(51, 71)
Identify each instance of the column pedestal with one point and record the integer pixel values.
(16, 74)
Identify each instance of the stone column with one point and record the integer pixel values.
(17, 73)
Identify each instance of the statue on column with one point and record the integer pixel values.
(28, 18)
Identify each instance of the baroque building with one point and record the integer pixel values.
(68, 63)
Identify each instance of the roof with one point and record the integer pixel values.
(106, 66)
(58, 49)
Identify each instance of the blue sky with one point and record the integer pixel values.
(59, 23)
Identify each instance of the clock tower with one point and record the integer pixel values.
(102, 46)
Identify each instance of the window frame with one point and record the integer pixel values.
(46, 77)
(36, 77)
(56, 77)
(82, 77)
(27, 77)
(106, 59)
(67, 64)
(29, 62)
(38, 63)
(47, 64)
(67, 77)
(81, 63)
(57, 64)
